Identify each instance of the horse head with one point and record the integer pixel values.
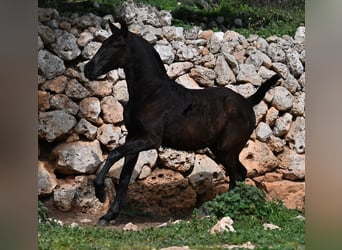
(112, 54)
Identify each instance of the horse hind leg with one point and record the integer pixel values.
(227, 152)
(233, 167)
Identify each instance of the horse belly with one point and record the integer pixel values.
(191, 135)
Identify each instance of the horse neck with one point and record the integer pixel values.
(145, 70)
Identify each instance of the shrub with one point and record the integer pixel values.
(243, 200)
(42, 212)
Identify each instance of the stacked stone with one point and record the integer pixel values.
(80, 121)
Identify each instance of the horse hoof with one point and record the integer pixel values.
(100, 194)
(103, 223)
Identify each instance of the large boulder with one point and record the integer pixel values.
(164, 192)
(79, 157)
(258, 159)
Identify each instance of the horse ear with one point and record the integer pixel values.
(124, 27)
(113, 28)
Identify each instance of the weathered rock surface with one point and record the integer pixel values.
(79, 193)
(78, 157)
(146, 159)
(50, 65)
(258, 159)
(54, 124)
(163, 192)
(47, 180)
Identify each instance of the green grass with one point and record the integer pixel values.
(248, 213)
(194, 234)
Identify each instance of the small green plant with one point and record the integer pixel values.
(243, 200)
(42, 212)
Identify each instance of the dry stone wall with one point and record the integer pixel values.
(80, 121)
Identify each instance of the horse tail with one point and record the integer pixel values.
(260, 93)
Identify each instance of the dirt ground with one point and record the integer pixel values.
(86, 219)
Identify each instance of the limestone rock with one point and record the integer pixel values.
(63, 102)
(269, 226)
(146, 159)
(224, 74)
(90, 108)
(90, 49)
(101, 35)
(43, 100)
(99, 88)
(78, 193)
(187, 82)
(248, 73)
(120, 91)
(49, 65)
(263, 131)
(180, 161)
(87, 20)
(47, 180)
(283, 99)
(214, 44)
(130, 227)
(75, 90)
(276, 53)
(109, 135)
(178, 68)
(165, 52)
(293, 165)
(260, 111)
(300, 35)
(203, 76)
(223, 225)
(164, 192)
(294, 63)
(246, 89)
(296, 135)
(276, 144)
(46, 14)
(272, 115)
(172, 33)
(205, 174)
(63, 197)
(281, 69)
(87, 129)
(282, 125)
(84, 38)
(55, 85)
(291, 193)
(46, 34)
(298, 107)
(258, 58)
(187, 53)
(54, 124)
(112, 110)
(258, 159)
(291, 84)
(79, 157)
(65, 46)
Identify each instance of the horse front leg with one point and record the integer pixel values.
(130, 150)
(125, 176)
(100, 178)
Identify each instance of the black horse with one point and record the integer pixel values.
(161, 112)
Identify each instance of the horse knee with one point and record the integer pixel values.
(98, 182)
